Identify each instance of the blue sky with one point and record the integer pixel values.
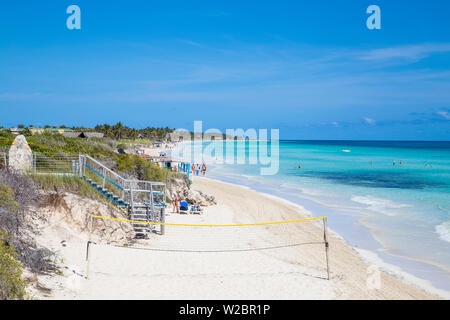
(309, 68)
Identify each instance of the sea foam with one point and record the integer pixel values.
(443, 230)
(385, 206)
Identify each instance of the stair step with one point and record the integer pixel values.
(141, 211)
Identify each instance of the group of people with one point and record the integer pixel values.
(196, 168)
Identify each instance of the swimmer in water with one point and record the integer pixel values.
(299, 166)
(393, 163)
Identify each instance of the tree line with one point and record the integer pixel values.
(116, 131)
(119, 131)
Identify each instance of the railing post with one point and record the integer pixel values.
(151, 194)
(79, 166)
(131, 197)
(123, 189)
(34, 162)
(163, 220)
(104, 178)
(84, 163)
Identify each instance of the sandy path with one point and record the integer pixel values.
(289, 272)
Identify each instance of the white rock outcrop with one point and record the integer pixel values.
(20, 155)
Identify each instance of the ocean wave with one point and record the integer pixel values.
(303, 190)
(384, 206)
(443, 230)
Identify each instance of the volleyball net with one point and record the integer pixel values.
(295, 241)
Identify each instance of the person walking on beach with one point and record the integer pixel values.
(193, 169)
(204, 169)
(176, 203)
(197, 169)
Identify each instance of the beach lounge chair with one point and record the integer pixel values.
(195, 209)
(184, 207)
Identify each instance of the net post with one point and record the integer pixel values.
(88, 249)
(325, 240)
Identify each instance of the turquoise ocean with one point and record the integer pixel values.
(389, 197)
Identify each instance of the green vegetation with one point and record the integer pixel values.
(65, 184)
(11, 284)
(119, 131)
(6, 139)
(7, 199)
(143, 169)
(51, 144)
(54, 145)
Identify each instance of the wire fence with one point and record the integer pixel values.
(61, 164)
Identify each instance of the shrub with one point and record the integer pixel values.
(141, 169)
(71, 184)
(11, 283)
(16, 194)
(7, 199)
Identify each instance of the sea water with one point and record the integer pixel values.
(391, 197)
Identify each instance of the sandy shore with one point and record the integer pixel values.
(285, 261)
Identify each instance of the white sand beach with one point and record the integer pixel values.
(231, 263)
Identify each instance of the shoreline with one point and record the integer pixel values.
(366, 255)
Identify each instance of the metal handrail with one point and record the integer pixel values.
(103, 166)
(125, 185)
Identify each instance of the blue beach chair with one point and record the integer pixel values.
(184, 207)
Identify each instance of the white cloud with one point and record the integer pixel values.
(411, 52)
(444, 114)
(369, 121)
